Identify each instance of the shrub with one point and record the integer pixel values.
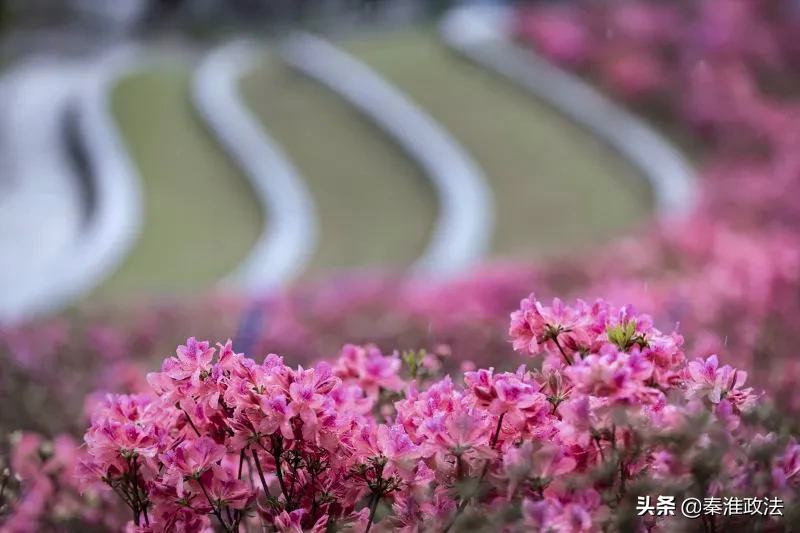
(609, 416)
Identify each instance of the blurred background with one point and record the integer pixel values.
(299, 174)
(151, 148)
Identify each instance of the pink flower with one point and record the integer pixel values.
(613, 374)
(579, 418)
(559, 34)
(542, 462)
(224, 489)
(787, 467)
(552, 515)
(707, 379)
(290, 522)
(306, 404)
(170, 495)
(394, 443)
(370, 369)
(466, 431)
(440, 507)
(534, 324)
(309, 446)
(481, 384)
(193, 457)
(192, 360)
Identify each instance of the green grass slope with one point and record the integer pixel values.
(376, 209)
(201, 216)
(557, 188)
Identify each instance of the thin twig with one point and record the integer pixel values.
(260, 472)
(372, 508)
(213, 507)
(189, 418)
(567, 358)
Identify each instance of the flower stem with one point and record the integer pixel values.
(132, 479)
(241, 464)
(373, 507)
(567, 358)
(213, 507)
(292, 486)
(277, 452)
(314, 495)
(261, 472)
(600, 449)
(189, 418)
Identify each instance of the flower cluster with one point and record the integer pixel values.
(716, 72)
(608, 405)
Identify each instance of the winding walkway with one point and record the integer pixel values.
(70, 245)
(41, 210)
(480, 33)
(117, 211)
(290, 226)
(75, 248)
(463, 231)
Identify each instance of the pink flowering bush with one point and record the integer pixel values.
(608, 411)
(716, 72)
(561, 33)
(48, 368)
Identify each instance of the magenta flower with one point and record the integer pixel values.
(542, 462)
(224, 489)
(552, 515)
(369, 368)
(307, 446)
(534, 324)
(192, 458)
(465, 431)
(787, 466)
(614, 374)
(708, 380)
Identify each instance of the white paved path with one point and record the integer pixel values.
(53, 250)
(41, 209)
(481, 34)
(465, 222)
(290, 227)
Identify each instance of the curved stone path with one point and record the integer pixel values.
(81, 244)
(75, 251)
(464, 227)
(290, 223)
(39, 202)
(481, 34)
(118, 211)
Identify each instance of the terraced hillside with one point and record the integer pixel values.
(375, 207)
(201, 217)
(557, 188)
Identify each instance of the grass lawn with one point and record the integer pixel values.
(201, 217)
(557, 188)
(375, 207)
